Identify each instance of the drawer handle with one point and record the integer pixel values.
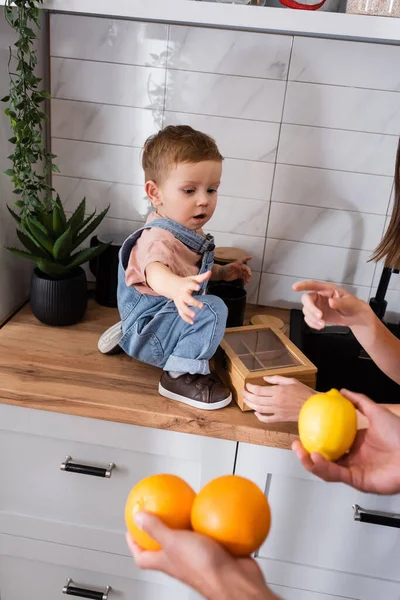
(86, 469)
(82, 593)
(376, 517)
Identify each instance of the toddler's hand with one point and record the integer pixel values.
(183, 296)
(237, 270)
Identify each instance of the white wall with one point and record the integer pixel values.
(14, 272)
(308, 127)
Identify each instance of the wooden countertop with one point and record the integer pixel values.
(61, 370)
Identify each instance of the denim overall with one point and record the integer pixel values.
(153, 331)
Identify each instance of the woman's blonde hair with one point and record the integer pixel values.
(389, 248)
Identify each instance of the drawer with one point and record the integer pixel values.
(293, 581)
(296, 594)
(46, 567)
(40, 500)
(313, 522)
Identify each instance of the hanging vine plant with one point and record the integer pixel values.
(51, 240)
(25, 101)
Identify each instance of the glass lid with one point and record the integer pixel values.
(260, 350)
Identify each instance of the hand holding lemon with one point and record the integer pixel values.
(328, 424)
(373, 463)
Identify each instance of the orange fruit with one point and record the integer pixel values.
(166, 496)
(328, 424)
(233, 511)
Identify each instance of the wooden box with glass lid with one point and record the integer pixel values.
(248, 354)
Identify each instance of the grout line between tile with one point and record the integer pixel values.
(241, 75)
(300, 277)
(317, 244)
(358, 212)
(276, 162)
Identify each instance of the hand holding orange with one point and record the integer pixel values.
(230, 509)
(328, 424)
(234, 512)
(168, 497)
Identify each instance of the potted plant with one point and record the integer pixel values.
(53, 241)
(58, 286)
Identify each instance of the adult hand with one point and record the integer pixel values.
(373, 463)
(328, 303)
(183, 298)
(279, 401)
(200, 563)
(237, 270)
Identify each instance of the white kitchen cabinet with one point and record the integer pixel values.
(39, 500)
(315, 544)
(39, 571)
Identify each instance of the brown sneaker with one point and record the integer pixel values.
(200, 391)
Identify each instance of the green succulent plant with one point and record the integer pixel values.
(53, 242)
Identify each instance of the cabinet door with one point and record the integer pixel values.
(81, 509)
(313, 522)
(35, 570)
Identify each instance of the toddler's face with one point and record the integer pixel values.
(188, 195)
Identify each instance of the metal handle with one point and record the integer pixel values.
(83, 593)
(86, 469)
(376, 517)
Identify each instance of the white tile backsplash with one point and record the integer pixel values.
(340, 107)
(309, 162)
(105, 123)
(118, 164)
(323, 226)
(246, 216)
(276, 290)
(338, 62)
(331, 189)
(229, 52)
(246, 179)
(107, 83)
(225, 95)
(236, 138)
(108, 40)
(125, 201)
(313, 261)
(252, 287)
(336, 149)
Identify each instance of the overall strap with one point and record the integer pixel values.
(189, 238)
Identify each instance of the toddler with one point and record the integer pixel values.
(167, 319)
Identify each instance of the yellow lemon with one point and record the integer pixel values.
(328, 424)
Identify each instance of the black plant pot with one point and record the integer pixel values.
(59, 301)
(235, 299)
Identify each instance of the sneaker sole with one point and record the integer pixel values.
(194, 403)
(109, 341)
